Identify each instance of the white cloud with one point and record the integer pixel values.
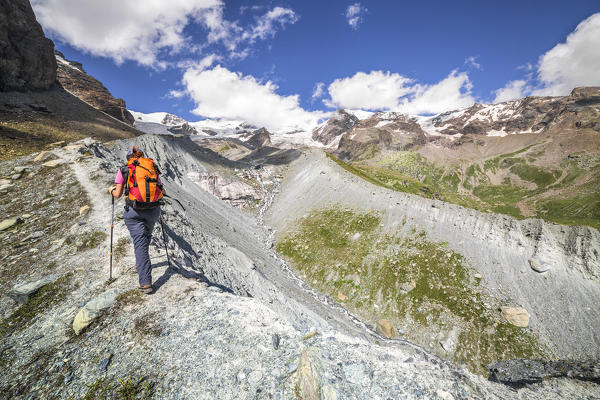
(513, 90)
(576, 62)
(378, 90)
(267, 24)
(451, 93)
(150, 32)
(471, 61)
(121, 30)
(371, 91)
(318, 90)
(220, 93)
(354, 14)
(231, 35)
(526, 67)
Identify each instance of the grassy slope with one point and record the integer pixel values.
(29, 122)
(512, 183)
(417, 284)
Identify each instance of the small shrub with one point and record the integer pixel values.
(91, 240)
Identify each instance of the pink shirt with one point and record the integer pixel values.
(120, 181)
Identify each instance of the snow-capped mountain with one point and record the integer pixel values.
(357, 129)
(166, 123)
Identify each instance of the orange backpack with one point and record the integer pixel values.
(142, 188)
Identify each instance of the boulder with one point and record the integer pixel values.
(21, 293)
(42, 156)
(517, 316)
(539, 266)
(9, 223)
(93, 309)
(408, 286)
(385, 328)
(53, 163)
(310, 382)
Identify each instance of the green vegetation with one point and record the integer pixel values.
(126, 389)
(146, 325)
(91, 240)
(577, 209)
(131, 296)
(226, 146)
(46, 297)
(409, 280)
(121, 247)
(532, 173)
(521, 193)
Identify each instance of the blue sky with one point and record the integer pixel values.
(263, 60)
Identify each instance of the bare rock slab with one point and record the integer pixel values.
(520, 372)
(21, 293)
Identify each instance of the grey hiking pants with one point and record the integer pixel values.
(140, 224)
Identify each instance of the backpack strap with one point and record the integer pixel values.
(125, 173)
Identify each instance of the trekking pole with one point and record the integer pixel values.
(164, 239)
(112, 225)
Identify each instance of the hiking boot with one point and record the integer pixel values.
(147, 289)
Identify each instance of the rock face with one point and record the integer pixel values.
(235, 192)
(338, 124)
(259, 138)
(520, 372)
(382, 131)
(185, 129)
(73, 77)
(26, 55)
(580, 109)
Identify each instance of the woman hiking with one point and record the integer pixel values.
(140, 183)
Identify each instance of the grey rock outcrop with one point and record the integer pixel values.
(259, 138)
(184, 129)
(92, 310)
(340, 123)
(21, 293)
(26, 55)
(72, 76)
(580, 109)
(520, 372)
(382, 131)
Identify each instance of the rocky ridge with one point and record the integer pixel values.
(72, 77)
(352, 138)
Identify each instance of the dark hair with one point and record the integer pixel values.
(135, 152)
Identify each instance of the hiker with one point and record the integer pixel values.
(140, 182)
